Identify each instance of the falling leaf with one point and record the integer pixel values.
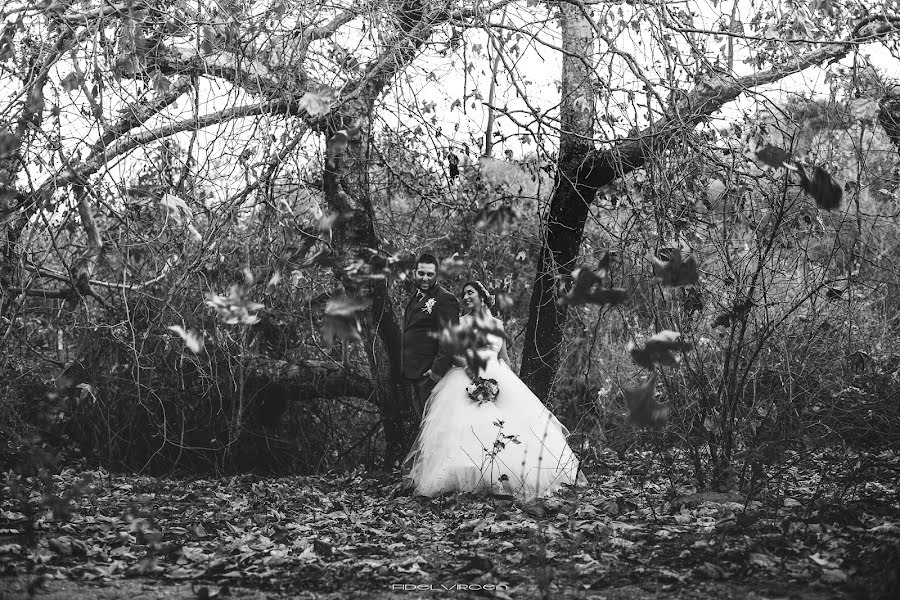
(161, 83)
(337, 144)
(453, 266)
(7, 48)
(192, 339)
(453, 165)
(71, 82)
(503, 301)
(207, 44)
(773, 156)
(673, 272)
(822, 187)
(499, 217)
(374, 264)
(327, 222)
(734, 315)
(177, 207)
(643, 409)
(469, 338)
(274, 280)
(9, 144)
(234, 308)
(659, 350)
(317, 101)
(341, 321)
(587, 288)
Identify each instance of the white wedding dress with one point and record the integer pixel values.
(513, 445)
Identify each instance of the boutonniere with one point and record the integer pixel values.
(429, 305)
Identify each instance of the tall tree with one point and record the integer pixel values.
(586, 170)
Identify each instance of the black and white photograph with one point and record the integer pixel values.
(448, 299)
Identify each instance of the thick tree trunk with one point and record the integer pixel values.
(568, 205)
(346, 190)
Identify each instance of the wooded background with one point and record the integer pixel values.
(195, 196)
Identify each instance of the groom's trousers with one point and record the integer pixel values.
(418, 391)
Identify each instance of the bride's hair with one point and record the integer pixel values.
(486, 296)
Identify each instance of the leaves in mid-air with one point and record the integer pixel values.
(337, 144)
(452, 165)
(317, 100)
(71, 82)
(675, 271)
(468, 338)
(453, 266)
(822, 187)
(7, 48)
(375, 264)
(587, 288)
(499, 217)
(660, 350)
(643, 408)
(9, 144)
(192, 339)
(341, 321)
(773, 156)
(735, 314)
(208, 41)
(235, 308)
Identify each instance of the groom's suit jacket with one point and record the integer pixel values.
(422, 320)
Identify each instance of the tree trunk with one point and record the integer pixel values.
(347, 192)
(568, 205)
(582, 171)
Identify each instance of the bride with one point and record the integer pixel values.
(511, 445)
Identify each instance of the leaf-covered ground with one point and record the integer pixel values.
(630, 535)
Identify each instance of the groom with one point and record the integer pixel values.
(428, 312)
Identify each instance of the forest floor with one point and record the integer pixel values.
(632, 534)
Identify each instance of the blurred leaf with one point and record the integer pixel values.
(500, 217)
(317, 101)
(503, 301)
(340, 320)
(734, 315)
(192, 339)
(176, 207)
(161, 83)
(234, 308)
(466, 339)
(34, 104)
(659, 350)
(337, 144)
(773, 156)
(453, 266)
(587, 288)
(643, 409)
(208, 39)
(822, 187)
(674, 272)
(374, 264)
(453, 165)
(7, 47)
(72, 81)
(9, 144)
(274, 280)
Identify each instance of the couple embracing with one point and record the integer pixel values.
(511, 445)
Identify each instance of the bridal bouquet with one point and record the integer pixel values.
(483, 390)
